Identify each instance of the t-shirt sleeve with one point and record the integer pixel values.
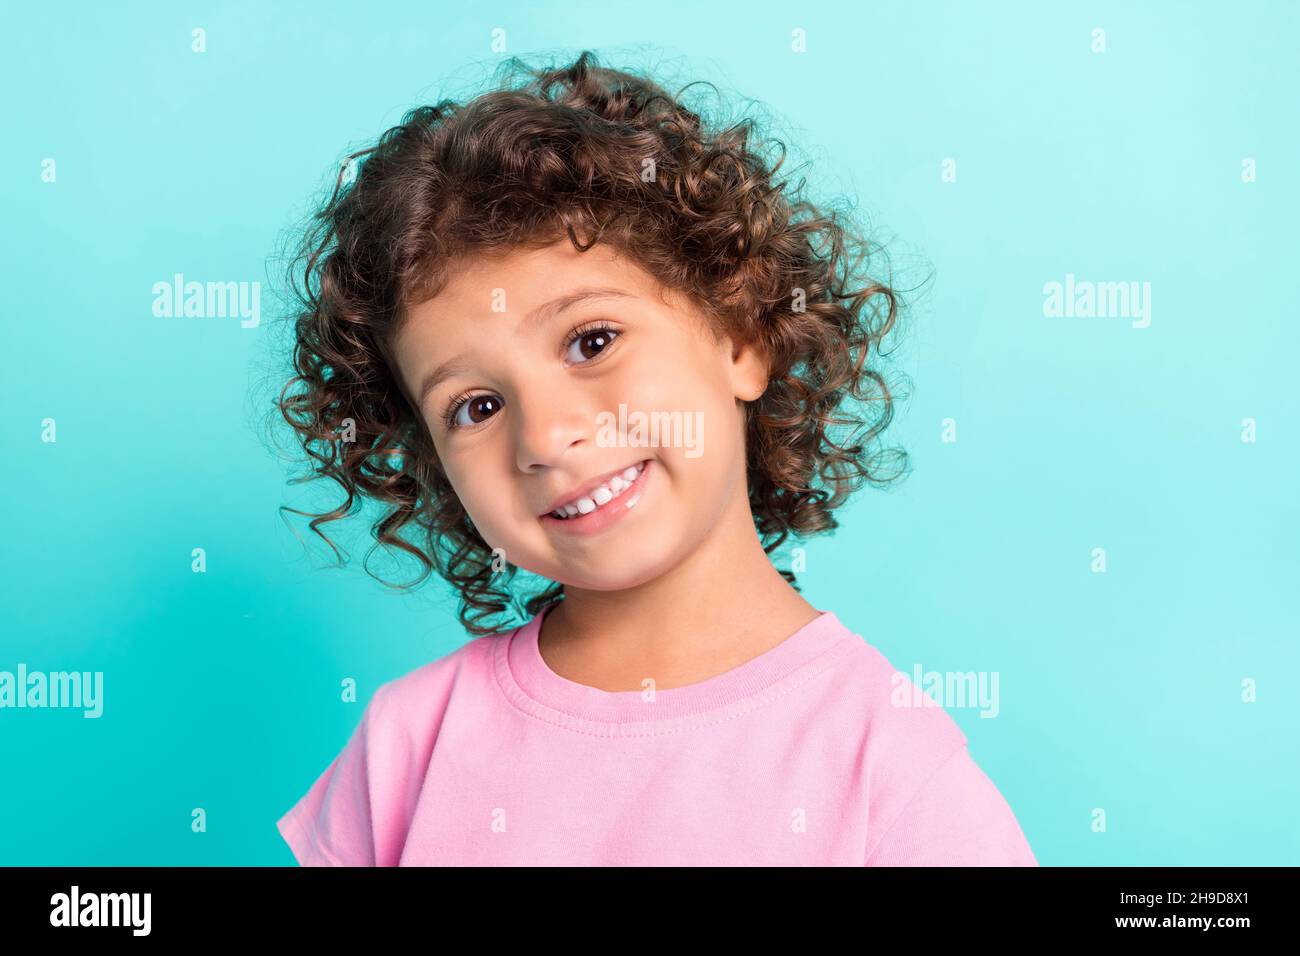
(957, 817)
(332, 824)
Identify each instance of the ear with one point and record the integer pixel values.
(749, 371)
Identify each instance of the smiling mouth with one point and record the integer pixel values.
(614, 489)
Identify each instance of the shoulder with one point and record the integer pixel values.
(928, 801)
(410, 701)
(902, 734)
(358, 810)
(900, 723)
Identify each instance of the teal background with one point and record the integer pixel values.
(1118, 690)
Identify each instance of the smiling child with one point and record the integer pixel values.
(503, 279)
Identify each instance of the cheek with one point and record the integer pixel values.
(697, 387)
(701, 455)
(472, 488)
(489, 496)
(670, 380)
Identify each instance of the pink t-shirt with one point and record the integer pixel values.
(487, 757)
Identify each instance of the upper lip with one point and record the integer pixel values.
(589, 486)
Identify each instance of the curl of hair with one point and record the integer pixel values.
(586, 153)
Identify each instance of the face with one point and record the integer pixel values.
(545, 353)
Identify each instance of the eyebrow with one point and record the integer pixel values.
(543, 313)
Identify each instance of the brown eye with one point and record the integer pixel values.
(590, 344)
(480, 408)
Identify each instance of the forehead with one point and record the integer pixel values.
(518, 280)
(524, 288)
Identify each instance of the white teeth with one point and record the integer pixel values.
(601, 495)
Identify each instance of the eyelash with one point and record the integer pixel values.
(454, 404)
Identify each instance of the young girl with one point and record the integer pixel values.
(568, 328)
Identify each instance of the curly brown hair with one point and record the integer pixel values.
(590, 153)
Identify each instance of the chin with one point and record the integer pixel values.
(638, 572)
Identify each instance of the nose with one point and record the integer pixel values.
(550, 419)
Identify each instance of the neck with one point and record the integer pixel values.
(722, 605)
